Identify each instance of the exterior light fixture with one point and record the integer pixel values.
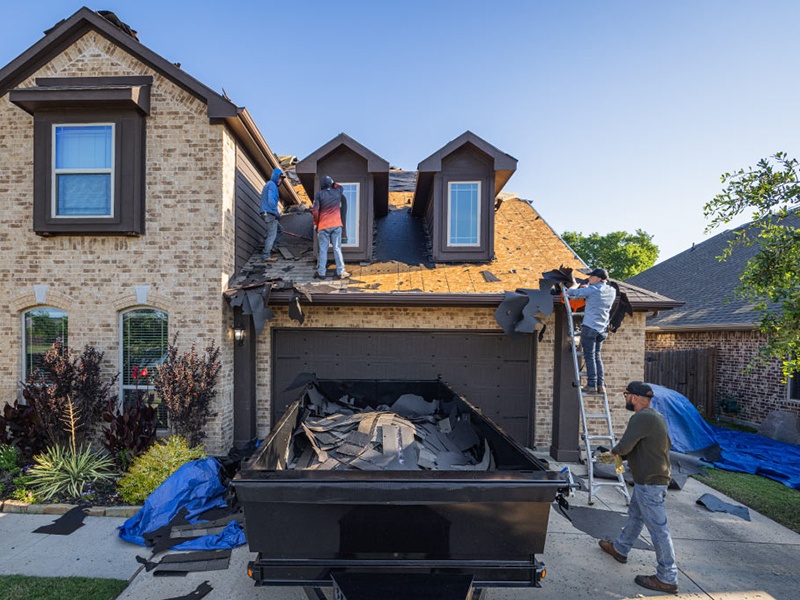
(238, 333)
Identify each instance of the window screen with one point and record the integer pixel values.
(42, 328)
(463, 222)
(352, 220)
(83, 170)
(144, 346)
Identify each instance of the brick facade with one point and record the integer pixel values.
(756, 392)
(184, 259)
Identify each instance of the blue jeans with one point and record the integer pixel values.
(274, 232)
(648, 509)
(333, 237)
(591, 343)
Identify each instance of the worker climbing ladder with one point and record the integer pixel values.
(597, 427)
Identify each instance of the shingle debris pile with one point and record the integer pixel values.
(411, 434)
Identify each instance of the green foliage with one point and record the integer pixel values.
(770, 278)
(63, 470)
(186, 385)
(8, 459)
(153, 467)
(129, 432)
(621, 253)
(22, 491)
(65, 384)
(48, 588)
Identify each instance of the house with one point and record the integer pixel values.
(130, 214)
(714, 318)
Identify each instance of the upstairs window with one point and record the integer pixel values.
(83, 170)
(352, 221)
(144, 341)
(463, 213)
(42, 327)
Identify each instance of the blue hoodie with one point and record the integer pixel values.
(270, 194)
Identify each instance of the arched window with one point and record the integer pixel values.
(41, 328)
(144, 343)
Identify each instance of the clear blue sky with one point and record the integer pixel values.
(622, 114)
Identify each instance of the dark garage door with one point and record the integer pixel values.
(493, 371)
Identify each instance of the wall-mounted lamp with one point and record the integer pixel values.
(238, 333)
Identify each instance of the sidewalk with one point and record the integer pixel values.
(720, 556)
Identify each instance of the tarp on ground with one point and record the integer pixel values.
(195, 487)
(736, 450)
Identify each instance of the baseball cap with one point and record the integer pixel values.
(601, 273)
(639, 388)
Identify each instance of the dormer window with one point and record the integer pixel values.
(352, 214)
(83, 170)
(463, 213)
(455, 196)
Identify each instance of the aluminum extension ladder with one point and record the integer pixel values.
(601, 430)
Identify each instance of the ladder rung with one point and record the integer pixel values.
(597, 416)
(609, 483)
(599, 437)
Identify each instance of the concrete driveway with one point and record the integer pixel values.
(720, 556)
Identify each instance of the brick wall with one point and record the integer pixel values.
(185, 257)
(756, 391)
(623, 352)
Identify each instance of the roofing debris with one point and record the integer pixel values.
(411, 434)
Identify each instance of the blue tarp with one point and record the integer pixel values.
(740, 451)
(196, 487)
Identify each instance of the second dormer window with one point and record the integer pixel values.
(83, 170)
(463, 213)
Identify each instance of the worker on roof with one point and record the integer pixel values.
(594, 327)
(327, 213)
(271, 213)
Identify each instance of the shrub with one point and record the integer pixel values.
(152, 468)
(130, 432)
(63, 380)
(186, 385)
(8, 459)
(63, 470)
(24, 430)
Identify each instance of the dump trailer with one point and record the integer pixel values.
(451, 531)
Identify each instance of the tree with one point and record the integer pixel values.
(770, 279)
(622, 254)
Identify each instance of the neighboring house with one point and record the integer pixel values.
(130, 213)
(714, 317)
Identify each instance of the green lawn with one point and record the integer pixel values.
(15, 587)
(770, 498)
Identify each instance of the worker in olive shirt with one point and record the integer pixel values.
(646, 445)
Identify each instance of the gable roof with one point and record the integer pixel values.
(705, 284)
(219, 108)
(504, 166)
(306, 169)
(401, 272)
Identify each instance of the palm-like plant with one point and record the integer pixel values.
(65, 470)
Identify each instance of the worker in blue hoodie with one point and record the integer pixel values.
(271, 213)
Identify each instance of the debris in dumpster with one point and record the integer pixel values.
(411, 434)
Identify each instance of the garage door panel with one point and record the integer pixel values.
(493, 371)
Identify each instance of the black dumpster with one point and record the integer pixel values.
(309, 525)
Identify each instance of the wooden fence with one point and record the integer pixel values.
(690, 372)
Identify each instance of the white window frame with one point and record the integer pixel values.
(122, 386)
(350, 234)
(56, 172)
(450, 243)
(25, 335)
